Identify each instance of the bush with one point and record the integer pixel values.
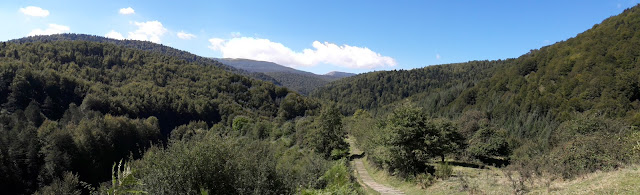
(339, 153)
(588, 144)
(586, 154)
(425, 180)
(338, 180)
(443, 171)
(487, 142)
(69, 184)
(634, 140)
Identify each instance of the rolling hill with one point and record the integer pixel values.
(70, 109)
(338, 74)
(300, 81)
(146, 46)
(569, 108)
(596, 71)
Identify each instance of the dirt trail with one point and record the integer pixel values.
(363, 174)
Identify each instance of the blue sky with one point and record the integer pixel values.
(322, 36)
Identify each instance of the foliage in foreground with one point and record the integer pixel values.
(407, 140)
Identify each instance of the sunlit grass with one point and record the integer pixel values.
(492, 180)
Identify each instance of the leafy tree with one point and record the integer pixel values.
(488, 142)
(411, 139)
(448, 141)
(329, 136)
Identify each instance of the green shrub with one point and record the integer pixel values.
(443, 171)
(488, 142)
(634, 140)
(339, 153)
(69, 184)
(588, 144)
(425, 180)
(338, 180)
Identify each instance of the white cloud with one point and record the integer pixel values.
(114, 35)
(53, 29)
(236, 34)
(186, 36)
(127, 11)
(437, 56)
(327, 53)
(34, 11)
(216, 44)
(148, 31)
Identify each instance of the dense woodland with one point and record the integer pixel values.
(568, 109)
(71, 110)
(146, 46)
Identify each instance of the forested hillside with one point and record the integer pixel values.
(595, 72)
(338, 74)
(146, 46)
(70, 110)
(568, 109)
(377, 89)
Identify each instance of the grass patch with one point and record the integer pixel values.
(382, 177)
(621, 181)
(466, 180)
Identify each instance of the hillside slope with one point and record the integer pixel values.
(596, 71)
(338, 74)
(300, 81)
(79, 106)
(569, 109)
(146, 46)
(377, 89)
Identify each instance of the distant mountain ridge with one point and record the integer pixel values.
(301, 81)
(338, 74)
(258, 66)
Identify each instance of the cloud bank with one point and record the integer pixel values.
(321, 53)
(34, 11)
(52, 29)
(148, 31)
(114, 35)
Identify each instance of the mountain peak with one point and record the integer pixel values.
(339, 74)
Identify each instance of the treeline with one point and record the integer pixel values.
(71, 109)
(144, 46)
(377, 89)
(301, 83)
(297, 80)
(585, 89)
(121, 81)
